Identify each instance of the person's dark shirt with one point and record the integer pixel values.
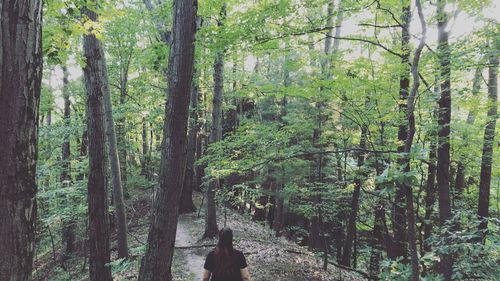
(239, 263)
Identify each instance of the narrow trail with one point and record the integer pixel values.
(194, 258)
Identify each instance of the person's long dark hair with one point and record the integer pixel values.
(224, 262)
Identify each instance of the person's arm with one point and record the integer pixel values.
(208, 266)
(206, 275)
(245, 275)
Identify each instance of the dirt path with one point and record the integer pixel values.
(194, 258)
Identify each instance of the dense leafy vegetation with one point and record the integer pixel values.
(364, 130)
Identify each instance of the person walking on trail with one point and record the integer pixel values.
(225, 263)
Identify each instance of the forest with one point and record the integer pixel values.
(339, 139)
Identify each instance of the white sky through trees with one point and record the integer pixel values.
(461, 24)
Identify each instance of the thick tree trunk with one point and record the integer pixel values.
(116, 178)
(95, 85)
(187, 205)
(443, 151)
(489, 138)
(400, 219)
(157, 262)
(211, 229)
(20, 79)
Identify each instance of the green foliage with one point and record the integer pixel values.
(292, 113)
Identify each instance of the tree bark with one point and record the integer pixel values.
(116, 178)
(97, 197)
(430, 193)
(157, 262)
(279, 210)
(443, 151)
(187, 205)
(338, 225)
(211, 229)
(66, 152)
(199, 169)
(400, 219)
(145, 149)
(410, 213)
(315, 242)
(488, 142)
(353, 215)
(122, 130)
(379, 221)
(461, 169)
(20, 83)
(68, 232)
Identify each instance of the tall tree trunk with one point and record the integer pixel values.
(443, 152)
(66, 152)
(201, 141)
(430, 193)
(279, 210)
(145, 149)
(211, 229)
(157, 262)
(379, 223)
(49, 118)
(400, 219)
(187, 205)
(83, 152)
(95, 85)
(116, 178)
(199, 170)
(315, 241)
(489, 138)
(68, 232)
(122, 133)
(410, 213)
(353, 215)
(376, 240)
(338, 231)
(461, 169)
(20, 80)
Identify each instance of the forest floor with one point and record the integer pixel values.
(269, 257)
